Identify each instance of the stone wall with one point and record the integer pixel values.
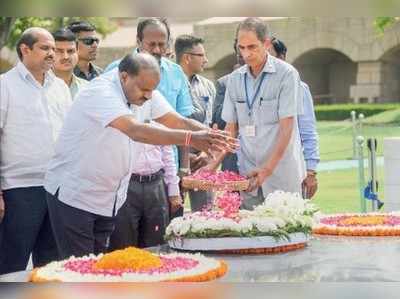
(367, 71)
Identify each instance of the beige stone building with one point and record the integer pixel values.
(342, 59)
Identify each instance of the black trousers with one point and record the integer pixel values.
(78, 232)
(26, 229)
(142, 220)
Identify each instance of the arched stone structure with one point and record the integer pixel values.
(328, 72)
(367, 51)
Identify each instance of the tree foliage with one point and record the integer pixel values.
(382, 23)
(11, 28)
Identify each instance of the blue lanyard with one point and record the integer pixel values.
(250, 105)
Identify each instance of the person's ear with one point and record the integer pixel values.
(25, 50)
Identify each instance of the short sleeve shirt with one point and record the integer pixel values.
(279, 97)
(31, 117)
(92, 164)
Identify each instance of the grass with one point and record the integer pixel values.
(338, 191)
(385, 118)
(335, 138)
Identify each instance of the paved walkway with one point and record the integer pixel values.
(344, 164)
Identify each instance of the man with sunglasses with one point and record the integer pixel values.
(88, 44)
(191, 56)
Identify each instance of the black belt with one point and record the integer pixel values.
(147, 178)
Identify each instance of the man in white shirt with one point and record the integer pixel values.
(66, 58)
(33, 103)
(87, 180)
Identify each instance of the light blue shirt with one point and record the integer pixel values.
(308, 130)
(280, 96)
(173, 85)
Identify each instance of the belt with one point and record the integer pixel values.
(147, 178)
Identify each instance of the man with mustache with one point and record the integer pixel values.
(263, 100)
(153, 37)
(66, 58)
(88, 178)
(33, 104)
(88, 47)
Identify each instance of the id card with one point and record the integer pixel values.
(250, 131)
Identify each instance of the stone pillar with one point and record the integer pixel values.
(391, 152)
(368, 87)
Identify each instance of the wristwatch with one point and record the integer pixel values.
(311, 172)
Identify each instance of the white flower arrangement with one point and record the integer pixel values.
(281, 213)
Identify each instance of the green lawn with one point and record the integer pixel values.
(339, 192)
(335, 138)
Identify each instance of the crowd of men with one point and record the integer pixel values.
(91, 160)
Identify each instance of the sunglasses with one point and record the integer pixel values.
(88, 41)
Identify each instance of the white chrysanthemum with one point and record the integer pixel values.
(246, 225)
(182, 229)
(266, 225)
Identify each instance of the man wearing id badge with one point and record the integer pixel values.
(262, 101)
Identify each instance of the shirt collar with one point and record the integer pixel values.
(117, 81)
(194, 78)
(26, 74)
(163, 63)
(269, 66)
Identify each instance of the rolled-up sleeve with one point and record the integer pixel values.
(104, 109)
(290, 95)
(229, 113)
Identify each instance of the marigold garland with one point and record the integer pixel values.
(362, 225)
(128, 258)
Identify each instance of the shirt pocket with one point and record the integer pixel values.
(268, 112)
(242, 112)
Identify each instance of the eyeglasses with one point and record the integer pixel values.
(88, 41)
(196, 54)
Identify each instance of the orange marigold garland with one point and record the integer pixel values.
(367, 225)
(130, 258)
(131, 265)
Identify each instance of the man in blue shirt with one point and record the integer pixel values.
(152, 37)
(307, 128)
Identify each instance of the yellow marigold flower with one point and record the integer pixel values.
(130, 258)
(364, 220)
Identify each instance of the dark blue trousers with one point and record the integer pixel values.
(26, 229)
(78, 232)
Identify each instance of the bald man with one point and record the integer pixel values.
(87, 180)
(33, 104)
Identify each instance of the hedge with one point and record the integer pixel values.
(342, 111)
